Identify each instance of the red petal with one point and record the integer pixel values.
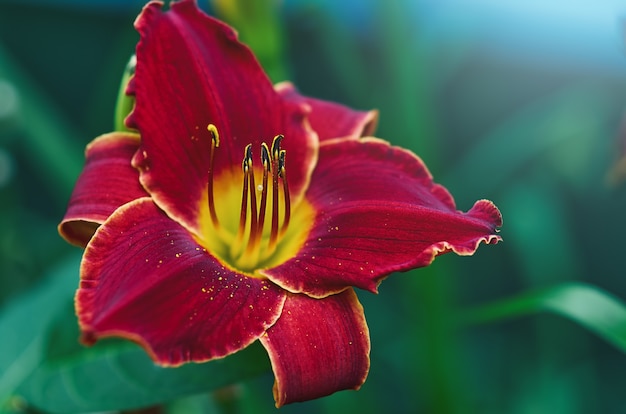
(191, 72)
(330, 119)
(107, 181)
(318, 347)
(378, 212)
(143, 277)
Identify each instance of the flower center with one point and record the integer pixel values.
(251, 225)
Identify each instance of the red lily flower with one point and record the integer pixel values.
(195, 254)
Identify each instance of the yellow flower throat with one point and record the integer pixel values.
(265, 232)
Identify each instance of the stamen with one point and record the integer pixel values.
(215, 142)
(250, 248)
(275, 172)
(282, 173)
(245, 165)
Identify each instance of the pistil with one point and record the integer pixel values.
(215, 142)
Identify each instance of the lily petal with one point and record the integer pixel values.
(143, 277)
(378, 212)
(330, 119)
(107, 181)
(318, 347)
(191, 72)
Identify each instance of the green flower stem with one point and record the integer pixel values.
(436, 337)
(54, 146)
(260, 27)
(411, 80)
(409, 115)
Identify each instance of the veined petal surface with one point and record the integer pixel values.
(107, 181)
(318, 347)
(191, 72)
(143, 277)
(378, 212)
(330, 119)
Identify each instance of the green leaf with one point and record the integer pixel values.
(584, 304)
(42, 361)
(116, 375)
(23, 324)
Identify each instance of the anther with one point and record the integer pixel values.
(276, 146)
(215, 142)
(281, 163)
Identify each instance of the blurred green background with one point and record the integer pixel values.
(520, 102)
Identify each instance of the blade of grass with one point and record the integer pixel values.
(567, 116)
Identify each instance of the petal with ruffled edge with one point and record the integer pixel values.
(107, 181)
(332, 120)
(143, 277)
(191, 72)
(378, 212)
(318, 347)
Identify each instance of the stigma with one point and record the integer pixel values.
(264, 205)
